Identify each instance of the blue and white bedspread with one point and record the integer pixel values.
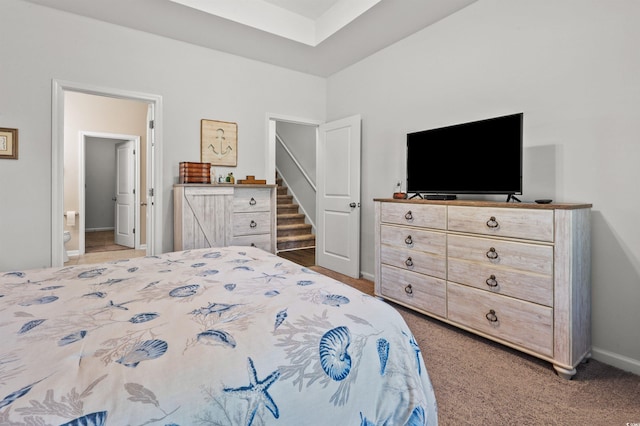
(225, 336)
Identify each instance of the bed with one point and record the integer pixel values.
(224, 336)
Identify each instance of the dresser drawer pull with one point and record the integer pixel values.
(408, 289)
(492, 253)
(253, 224)
(408, 262)
(492, 222)
(491, 316)
(408, 241)
(252, 201)
(408, 215)
(491, 281)
(253, 244)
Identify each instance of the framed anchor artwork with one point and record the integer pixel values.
(219, 143)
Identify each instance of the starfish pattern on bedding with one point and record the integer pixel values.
(256, 392)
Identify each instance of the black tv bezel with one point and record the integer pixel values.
(470, 192)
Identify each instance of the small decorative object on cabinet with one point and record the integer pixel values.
(518, 274)
(224, 215)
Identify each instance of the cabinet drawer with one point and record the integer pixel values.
(527, 224)
(524, 285)
(414, 239)
(262, 241)
(421, 215)
(536, 258)
(252, 200)
(251, 223)
(422, 292)
(526, 324)
(413, 260)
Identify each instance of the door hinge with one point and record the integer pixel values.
(134, 230)
(134, 190)
(152, 124)
(151, 192)
(134, 152)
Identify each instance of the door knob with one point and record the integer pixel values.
(114, 199)
(352, 205)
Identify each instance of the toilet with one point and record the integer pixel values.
(66, 237)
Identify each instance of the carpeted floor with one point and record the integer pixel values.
(479, 382)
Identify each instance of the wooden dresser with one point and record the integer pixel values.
(516, 273)
(223, 214)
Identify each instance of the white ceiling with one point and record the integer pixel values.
(318, 37)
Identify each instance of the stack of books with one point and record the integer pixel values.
(195, 172)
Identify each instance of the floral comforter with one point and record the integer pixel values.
(224, 336)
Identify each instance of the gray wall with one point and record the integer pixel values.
(100, 178)
(40, 44)
(573, 68)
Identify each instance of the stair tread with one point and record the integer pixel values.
(305, 237)
(294, 226)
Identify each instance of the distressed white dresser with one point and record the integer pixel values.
(515, 273)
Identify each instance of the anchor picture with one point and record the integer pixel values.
(219, 143)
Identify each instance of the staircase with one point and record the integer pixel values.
(293, 233)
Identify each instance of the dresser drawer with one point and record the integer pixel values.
(422, 292)
(522, 223)
(414, 239)
(524, 285)
(536, 258)
(251, 223)
(421, 215)
(413, 260)
(252, 200)
(262, 241)
(525, 324)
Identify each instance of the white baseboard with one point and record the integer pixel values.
(620, 361)
(99, 229)
(367, 276)
(73, 253)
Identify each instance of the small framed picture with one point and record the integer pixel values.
(9, 143)
(219, 143)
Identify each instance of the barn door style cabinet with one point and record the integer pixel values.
(224, 215)
(518, 274)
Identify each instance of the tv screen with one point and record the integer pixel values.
(480, 157)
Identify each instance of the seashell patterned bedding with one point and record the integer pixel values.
(230, 336)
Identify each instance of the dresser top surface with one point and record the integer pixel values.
(225, 185)
(480, 203)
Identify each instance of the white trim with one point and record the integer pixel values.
(616, 360)
(295, 161)
(154, 169)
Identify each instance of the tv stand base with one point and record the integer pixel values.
(441, 197)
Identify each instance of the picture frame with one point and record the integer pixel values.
(219, 143)
(8, 143)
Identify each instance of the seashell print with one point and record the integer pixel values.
(280, 317)
(208, 272)
(147, 350)
(334, 356)
(383, 354)
(365, 422)
(140, 318)
(53, 287)
(184, 291)
(335, 300)
(30, 325)
(15, 274)
(198, 265)
(92, 273)
(214, 308)
(230, 287)
(95, 294)
(112, 281)
(71, 338)
(39, 301)
(212, 255)
(272, 293)
(304, 282)
(242, 253)
(213, 337)
(417, 417)
(243, 268)
(151, 284)
(93, 419)
(15, 395)
(308, 271)
(135, 268)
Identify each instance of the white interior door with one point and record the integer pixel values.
(338, 216)
(125, 194)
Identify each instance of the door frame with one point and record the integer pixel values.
(82, 179)
(153, 155)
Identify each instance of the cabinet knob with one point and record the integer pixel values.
(408, 215)
(492, 254)
(492, 222)
(491, 281)
(408, 241)
(408, 289)
(252, 201)
(409, 262)
(253, 224)
(491, 316)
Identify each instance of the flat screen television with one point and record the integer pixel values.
(479, 157)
